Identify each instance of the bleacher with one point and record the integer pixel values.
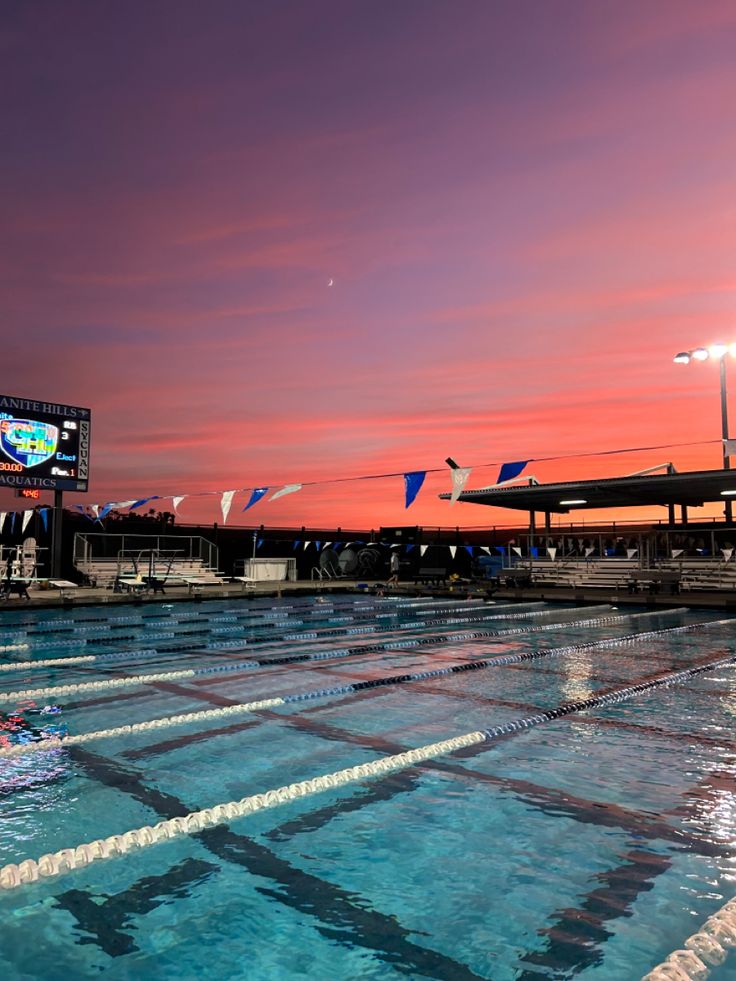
(608, 573)
(109, 573)
(702, 573)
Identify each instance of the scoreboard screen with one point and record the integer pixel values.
(43, 445)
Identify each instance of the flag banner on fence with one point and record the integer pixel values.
(423, 549)
(145, 500)
(510, 470)
(286, 489)
(469, 550)
(44, 512)
(259, 543)
(12, 522)
(3, 516)
(453, 550)
(306, 545)
(225, 504)
(552, 552)
(27, 515)
(676, 552)
(589, 551)
(726, 553)
(459, 480)
(105, 510)
(631, 552)
(255, 496)
(729, 447)
(176, 501)
(412, 485)
(485, 548)
(297, 543)
(515, 548)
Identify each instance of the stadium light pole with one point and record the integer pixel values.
(716, 352)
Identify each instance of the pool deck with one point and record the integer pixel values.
(88, 595)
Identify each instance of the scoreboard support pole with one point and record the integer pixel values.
(56, 536)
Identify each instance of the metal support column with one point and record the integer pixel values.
(56, 530)
(724, 432)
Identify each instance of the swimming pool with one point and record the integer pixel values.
(587, 846)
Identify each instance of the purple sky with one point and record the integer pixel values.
(526, 208)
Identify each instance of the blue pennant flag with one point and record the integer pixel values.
(12, 522)
(409, 548)
(142, 501)
(106, 509)
(510, 470)
(319, 545)
(469, 550)
(412, 484)
(297, 543)
(255, 497)
(44, 512)
(259, 543)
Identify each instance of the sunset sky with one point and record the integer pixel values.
(526, 209)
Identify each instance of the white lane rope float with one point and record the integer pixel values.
(242, 708)
(704, 950)
(69, 859)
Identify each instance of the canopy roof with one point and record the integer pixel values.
(691, 489)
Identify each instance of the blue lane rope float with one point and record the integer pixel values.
(69, 859)
(242, 708)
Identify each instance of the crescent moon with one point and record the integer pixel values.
(331, 282)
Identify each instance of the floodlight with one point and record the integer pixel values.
(701, 354)
(575, 501)
(717, 350)
(682, 358)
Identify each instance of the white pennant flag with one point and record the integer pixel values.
(485, 548)
(306, 545)
(729, 447)
(631, 552)
(123, 504)
(552, 552)
(423, 549)
(287, 489)
(459, 480)
(95, 509)
(176, 501)
(676, 552)
(589, 551)
(515, 548)
(327, 544)
(3, 516)
(726, 553)
(453, 550)
(27, 517)
(225, 503)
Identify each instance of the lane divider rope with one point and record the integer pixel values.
(68, 859)
(332, 654)
(243, 708)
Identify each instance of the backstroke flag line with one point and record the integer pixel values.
(459, 480)
(412, 485)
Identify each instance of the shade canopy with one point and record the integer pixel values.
(692, 489)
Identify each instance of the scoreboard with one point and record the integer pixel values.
(43, 445)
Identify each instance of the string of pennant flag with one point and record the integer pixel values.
(413, 481)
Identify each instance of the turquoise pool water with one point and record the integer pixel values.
(588, 847)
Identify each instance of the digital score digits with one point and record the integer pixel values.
(43, 445)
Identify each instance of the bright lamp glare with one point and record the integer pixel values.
(732, 350)
(700, 354)
(576, 501)
(730, 493)
(683, 358)
(717, 350)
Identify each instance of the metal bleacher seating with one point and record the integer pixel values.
(608, 573)
(111, 573)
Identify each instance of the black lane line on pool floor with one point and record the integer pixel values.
(340, 916)
(574, 940)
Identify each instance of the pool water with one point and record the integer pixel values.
(587, 847)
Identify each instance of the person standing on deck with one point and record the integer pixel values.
(394, 569)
